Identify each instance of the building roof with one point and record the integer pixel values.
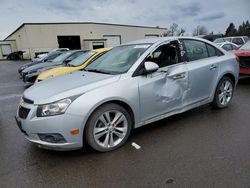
(97, 23)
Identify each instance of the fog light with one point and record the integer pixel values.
(52, 138)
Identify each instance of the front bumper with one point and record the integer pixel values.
(32, 126)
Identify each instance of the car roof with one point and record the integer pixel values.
(162, 39)
(227, 42)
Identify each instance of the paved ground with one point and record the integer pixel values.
(200, 148)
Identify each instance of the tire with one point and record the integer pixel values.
(108, 128)
(223, 93)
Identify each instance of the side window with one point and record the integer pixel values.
(195, 49)
(211, 50)
(227, 47)
(73, 56)
(165, 55)
(238, 41)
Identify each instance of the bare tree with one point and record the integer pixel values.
(200, 30)
(174, 30)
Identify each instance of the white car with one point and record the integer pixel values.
(228, 46)
(54, 50)
(238, 40)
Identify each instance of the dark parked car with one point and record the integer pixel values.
(30, 74)
(46, 58)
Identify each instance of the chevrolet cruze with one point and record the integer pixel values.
(130, 86)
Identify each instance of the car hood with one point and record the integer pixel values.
(40, 66)
(29, 64)
(68, 85)
(56, 72)
(242, 52)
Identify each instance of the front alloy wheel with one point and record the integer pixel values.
(108, 127)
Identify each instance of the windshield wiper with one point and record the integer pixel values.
(97, 71)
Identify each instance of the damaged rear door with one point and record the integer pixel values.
(203, 67)
(164, 90)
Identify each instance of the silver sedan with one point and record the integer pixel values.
(130, 86)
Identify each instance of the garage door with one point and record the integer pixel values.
(112, 41)
(71, 42)
(6, 49)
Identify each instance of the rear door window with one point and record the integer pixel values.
(195, 49)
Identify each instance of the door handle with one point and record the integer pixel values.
(212, 67)
(178, 76)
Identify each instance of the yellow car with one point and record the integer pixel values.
(76, 64)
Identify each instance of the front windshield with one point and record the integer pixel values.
(61, 57)
(81, 59)
(118, 60)
(50, 57)
(246, 46)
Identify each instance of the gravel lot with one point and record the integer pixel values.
(200, 148)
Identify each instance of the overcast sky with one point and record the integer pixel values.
(214, 14)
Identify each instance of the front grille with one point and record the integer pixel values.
(28, 101)
(245, 62)
(23, 112)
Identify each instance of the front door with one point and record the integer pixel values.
(164, 90)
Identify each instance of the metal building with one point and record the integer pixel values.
(35, 38)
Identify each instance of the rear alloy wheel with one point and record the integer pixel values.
(224, 93)
(108, 128)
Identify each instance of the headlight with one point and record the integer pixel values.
(52, 109)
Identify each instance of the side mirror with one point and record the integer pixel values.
(150, 67)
